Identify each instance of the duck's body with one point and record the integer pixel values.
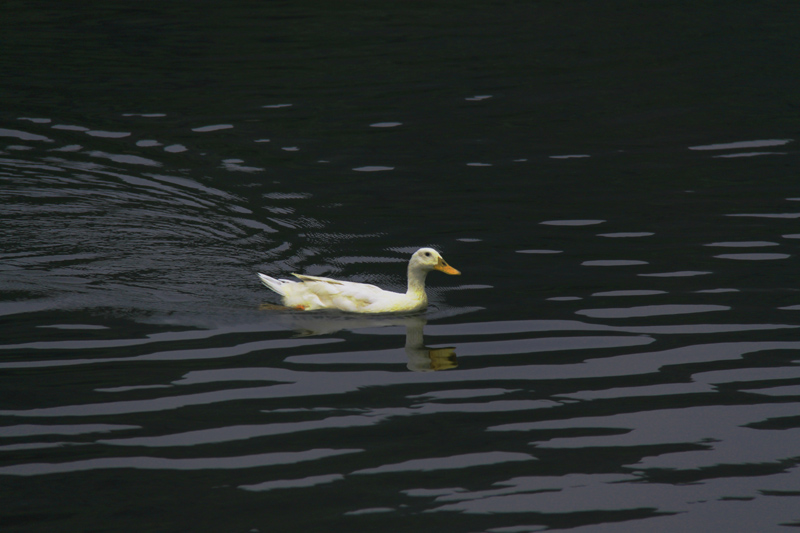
(312, 293)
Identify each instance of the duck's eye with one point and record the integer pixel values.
(427, 254)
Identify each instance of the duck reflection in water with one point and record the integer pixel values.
(420, 357)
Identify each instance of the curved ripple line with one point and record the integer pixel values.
(176, 355)
(550, 344)
(525, 326)
(507, 347)
(627, 234)
(29, 430)
(742, 144)
(24, 135)
(578, 222)
(292, 483)
(161, 463)
(170, 336)
(649, 428)
(766, 215)
(373, 417)
(742, 244)
(678, 274)
(652, 310)
(629, 293)
(449, 463)
(234, 433)
(614, 262)
(753, 257)
(746, 375)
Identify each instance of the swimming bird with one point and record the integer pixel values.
(312, 292)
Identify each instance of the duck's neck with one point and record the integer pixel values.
(416, 285)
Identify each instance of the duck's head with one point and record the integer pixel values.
(429, 259)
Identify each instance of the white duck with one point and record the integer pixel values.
(312, 293)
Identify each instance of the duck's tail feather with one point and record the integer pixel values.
(274, 284)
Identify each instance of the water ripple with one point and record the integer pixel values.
(161, 463)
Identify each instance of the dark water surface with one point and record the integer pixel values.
(618, 183)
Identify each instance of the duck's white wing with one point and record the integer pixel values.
(344, 295)
(303, 277)
(342, 285)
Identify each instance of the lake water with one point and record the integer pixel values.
(617, 183)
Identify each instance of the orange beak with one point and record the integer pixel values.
(442, 266)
